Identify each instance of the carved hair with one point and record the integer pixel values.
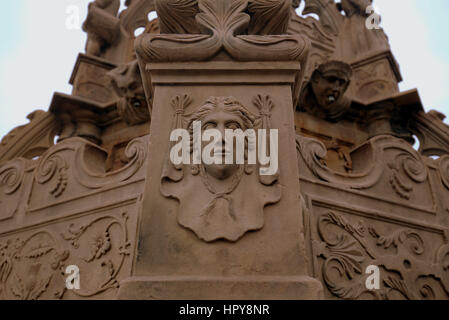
(227, 104)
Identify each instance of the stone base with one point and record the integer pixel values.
(229, 288)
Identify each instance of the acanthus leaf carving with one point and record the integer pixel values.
(11, 179)
(31, 266)
(223, 24)
(349, 249)
(106, 250)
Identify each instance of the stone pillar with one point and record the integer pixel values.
(172, 260)
(221, 232)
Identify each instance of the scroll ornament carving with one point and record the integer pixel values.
(135, 152)
(28, 267)
(72, 159)
(11, 178)
(53, 166)
(406, 168)
(313, 152)
(34, 268)
(414, 169)
(223, 25)
(221, 201)
(349, 249)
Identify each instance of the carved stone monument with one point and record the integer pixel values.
(92, 183)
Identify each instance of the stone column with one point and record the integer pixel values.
(236, 236)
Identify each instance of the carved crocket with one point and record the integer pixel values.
(268, 17)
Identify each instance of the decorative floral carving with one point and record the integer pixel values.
(28, 267)
(399, 237)
(35, 268)
(224, 24)
(105, 249)
(348, 249)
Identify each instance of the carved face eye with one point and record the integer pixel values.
(209, 125)
(233, 125)
(336, 81)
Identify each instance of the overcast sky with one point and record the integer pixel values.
(38, 52)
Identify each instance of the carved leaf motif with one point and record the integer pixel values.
(347, 258)
(221, 17)
(399, 237)
(100, 246)
(269, 17)
(398, 285)
(38, 252)
(33, 285)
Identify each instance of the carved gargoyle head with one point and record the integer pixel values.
(222, 114)
(127, 83)
(329, 84)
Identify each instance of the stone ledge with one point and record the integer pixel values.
(221, 288)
